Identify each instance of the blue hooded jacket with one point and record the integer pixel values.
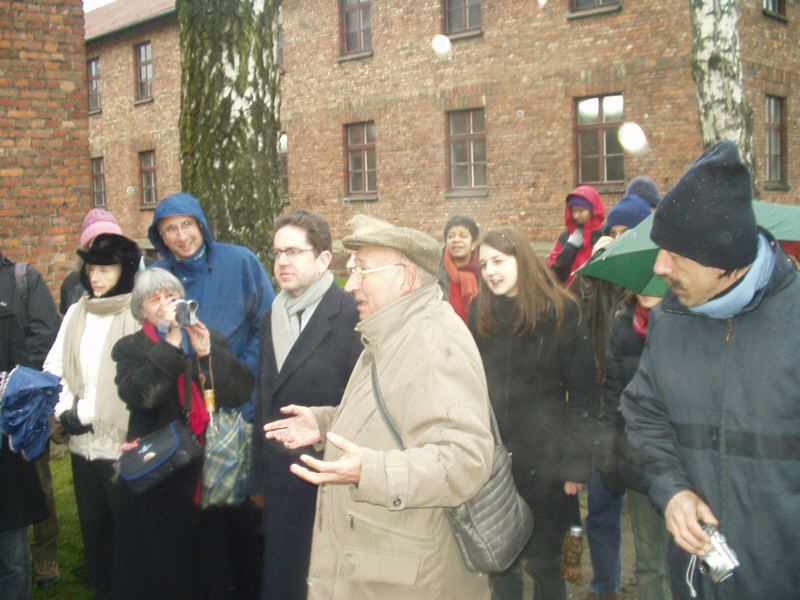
(228, 282)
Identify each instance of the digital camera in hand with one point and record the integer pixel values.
(185, 312)
(719, 562)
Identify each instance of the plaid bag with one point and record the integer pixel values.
(227, 459)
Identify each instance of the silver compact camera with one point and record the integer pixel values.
(185, 312)
(719, 562)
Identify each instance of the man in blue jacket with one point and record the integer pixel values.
(712, 412)
(232, 291)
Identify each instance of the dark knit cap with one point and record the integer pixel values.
(629, 211)
(645, 188)
(575, 200)
(708, 216)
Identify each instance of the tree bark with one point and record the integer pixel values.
(718, 74)
(230, 116)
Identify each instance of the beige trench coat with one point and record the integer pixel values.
(388, 538)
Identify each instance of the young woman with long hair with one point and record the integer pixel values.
(540, 372)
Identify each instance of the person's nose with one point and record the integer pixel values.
(283, 258)
(663, 264)
(352, 283)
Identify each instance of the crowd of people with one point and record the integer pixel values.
(371, 405)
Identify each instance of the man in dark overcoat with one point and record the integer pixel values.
(308, 349)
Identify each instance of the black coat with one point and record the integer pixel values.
(530, 381)
(159, 537)
(21, 499)
(315, 373)
(714, 408)
(622, 360)
(39, 318)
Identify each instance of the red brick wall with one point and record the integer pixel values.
(526, 69)
(44, 172)
(125, 127)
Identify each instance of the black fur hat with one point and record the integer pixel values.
(112, 249)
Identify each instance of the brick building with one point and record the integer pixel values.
(523, 108)
(44, 172)
(133, 71)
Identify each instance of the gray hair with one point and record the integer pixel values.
(150, 281)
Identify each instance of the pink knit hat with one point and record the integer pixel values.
(95, 222)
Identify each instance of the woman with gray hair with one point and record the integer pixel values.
(160, 369)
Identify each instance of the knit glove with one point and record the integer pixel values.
(70, 422)
(576, 237)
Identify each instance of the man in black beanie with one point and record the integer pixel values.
(711, 415)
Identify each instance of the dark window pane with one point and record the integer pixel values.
(459, 123)
(615, 168)
(474, 17)
(613, 145)
(460, 152)
(479, 151)
(370, 133)
(478, 123)
(460, 176)
(480, 175)
(588, 143)
(354, 135)
(356, 182)
(589, 170)
(371, 181)
(355, 161)
(366, 43)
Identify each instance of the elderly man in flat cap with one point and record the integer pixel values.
(712, 412)
(380, 531)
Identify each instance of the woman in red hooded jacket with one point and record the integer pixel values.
(584, 215)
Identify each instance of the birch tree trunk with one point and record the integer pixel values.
(229, 121)
(717, 69)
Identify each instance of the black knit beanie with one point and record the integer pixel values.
(708, 216)
(645, 188)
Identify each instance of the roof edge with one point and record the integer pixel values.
(131, 25)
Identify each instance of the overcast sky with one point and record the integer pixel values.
(92, 4)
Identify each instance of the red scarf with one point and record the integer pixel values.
(198, 417)
(641, 318)
(464, 280)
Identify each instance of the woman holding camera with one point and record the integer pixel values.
(540, 373)
(165, 543)
(89, 408)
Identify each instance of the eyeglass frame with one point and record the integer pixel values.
(171, 231)
(291, 253)
(361, 274)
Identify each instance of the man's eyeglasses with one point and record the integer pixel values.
(361, 274)
(290, 253)
(184, 226)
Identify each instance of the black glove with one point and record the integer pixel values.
(70, 422)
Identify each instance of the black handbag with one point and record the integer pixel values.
(492, 528)
(150, 459)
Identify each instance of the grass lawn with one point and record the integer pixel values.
(72, 584)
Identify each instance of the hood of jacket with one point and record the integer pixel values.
(598, 210)
(178, 204)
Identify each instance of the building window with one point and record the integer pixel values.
(98, 182)
(147, 168)
(462, 15)
(95, 85)
(361, 174)
(280, 36)
(590, 4)
(357, 25)
(777, 7)
(600, 155)
(144, 71)
(773, 117)
(467, 144)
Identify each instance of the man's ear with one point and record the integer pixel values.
(409, 278)
(326, 256)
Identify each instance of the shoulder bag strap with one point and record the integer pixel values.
(376, 391)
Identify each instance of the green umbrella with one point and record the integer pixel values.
(628, 261)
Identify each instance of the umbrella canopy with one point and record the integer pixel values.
(28, 398)
(628, 261)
